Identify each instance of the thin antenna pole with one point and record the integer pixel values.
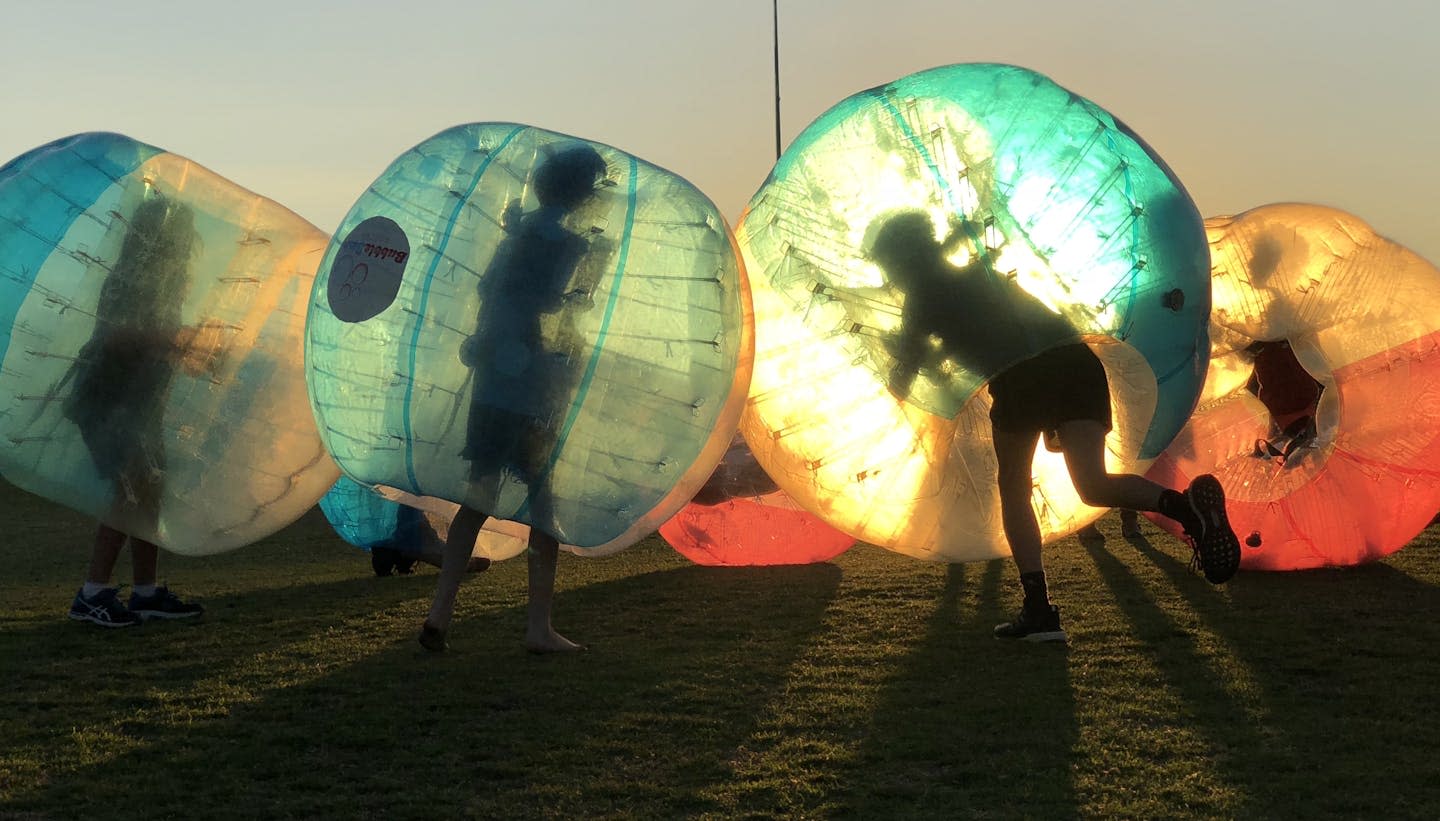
(775, 22)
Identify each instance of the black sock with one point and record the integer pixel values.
(1037, 596)
(1174, 505)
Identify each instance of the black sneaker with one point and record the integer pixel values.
(404, 563)
(162, 604)
(1217, 551)
(382, 561)
(432, 638)
(103, 608)
(1032, 626)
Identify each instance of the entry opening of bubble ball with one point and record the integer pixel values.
(982, 184)
(1290, 394)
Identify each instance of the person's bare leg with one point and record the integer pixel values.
(1014, 454)
(144, 562)
(459, 544)
(104, 555)
(1083, 443)
(1038, 620)
(540, 636)
(432, 549)
(434, 555)
(1129, 523)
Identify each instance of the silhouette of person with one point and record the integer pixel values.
(121, 379)
(1289, 392)
(523, 376)
(941, 296)
(987, 324)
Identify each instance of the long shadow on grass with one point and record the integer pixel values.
(1337, 675)
(39, 651)
(680, 664)
(74, 690)
(969, 722)
(971, 725)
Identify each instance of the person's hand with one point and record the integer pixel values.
(899, 384)
(470, 351)
(578, 300)
(510, 217)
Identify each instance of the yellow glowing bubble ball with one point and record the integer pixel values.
(1321, 413)
(151, 321)
(1062, 224)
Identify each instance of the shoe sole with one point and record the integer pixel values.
(157, 614)
(1219, 549)
(102, 622)
(433, 640)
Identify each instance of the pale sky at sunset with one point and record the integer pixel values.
(1250, 101)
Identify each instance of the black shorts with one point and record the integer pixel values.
(1061, 385)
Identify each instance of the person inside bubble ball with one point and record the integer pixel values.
(1291, 395)
(985, 323)
(526, 355)
(121, 379)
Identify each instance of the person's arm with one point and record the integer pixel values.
(594, 261)
(908, 349)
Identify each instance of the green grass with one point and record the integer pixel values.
(869, 687)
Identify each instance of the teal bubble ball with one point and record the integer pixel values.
(543, 328)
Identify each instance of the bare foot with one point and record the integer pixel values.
(432, 638)
(551, 642)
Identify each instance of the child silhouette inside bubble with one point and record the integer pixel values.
(541, 278)
(121, 384)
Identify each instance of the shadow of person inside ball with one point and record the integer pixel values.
(547, 263)
(955, 317)
(521, 378)
(122, 375)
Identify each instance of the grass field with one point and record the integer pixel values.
(868, 687)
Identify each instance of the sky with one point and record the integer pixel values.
(1249, 101)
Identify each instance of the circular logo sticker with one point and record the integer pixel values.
(366, 275)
